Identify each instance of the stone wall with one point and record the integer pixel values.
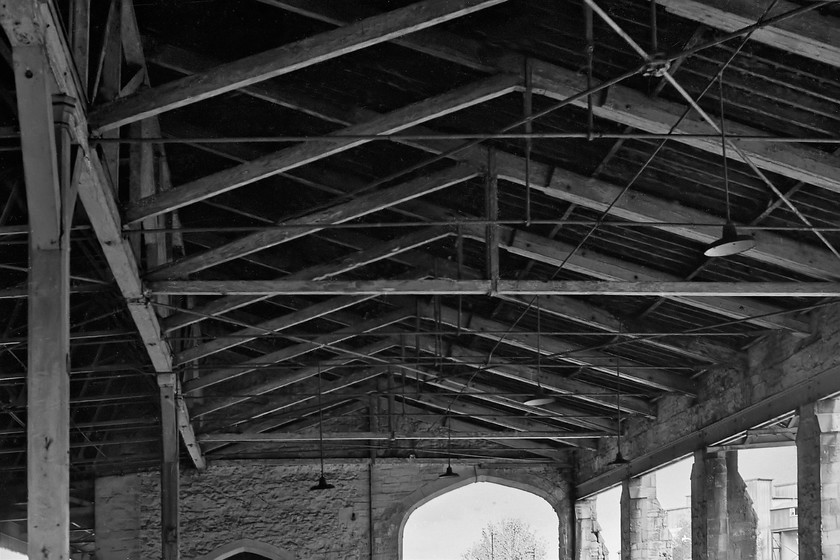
(270, 503)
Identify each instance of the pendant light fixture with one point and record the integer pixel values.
(322, 481)
(540, 398)
(730, 243)
(619, 458)
(449, 473)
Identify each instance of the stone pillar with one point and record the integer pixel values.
(644, 532)
(709, 521)
(723, 522)
(743, 521)
(699, 548)
(584, 519)
(818, 464)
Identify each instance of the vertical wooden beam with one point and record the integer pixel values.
(169, 483)
(80, 39)
(492, 212)
(109, 84)
(144, 181)
(48, 437)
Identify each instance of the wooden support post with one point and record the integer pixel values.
(80, 39)
(492, 208)
(169, 483)
(136, 180)
(48, 437)
(109, 85)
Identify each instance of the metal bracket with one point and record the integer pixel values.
(657, 66)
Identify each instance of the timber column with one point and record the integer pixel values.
(818, 473)
(46, 168)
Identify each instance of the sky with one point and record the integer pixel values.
(673, 485)
(448, 525)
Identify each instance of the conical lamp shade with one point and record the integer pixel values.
(539, 398)
(730, 243)
(619, 460)
(449, 473)
(322, 484)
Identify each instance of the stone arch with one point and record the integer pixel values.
(248, 545)
(556, 497)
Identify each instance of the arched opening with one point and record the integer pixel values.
(451, 521)
(247, 549)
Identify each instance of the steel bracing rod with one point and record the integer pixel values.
(705, 116)
(448, 153)
(13, 292)
(456, 332)
(455, 136)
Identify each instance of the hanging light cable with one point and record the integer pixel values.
(619, 458)
(449, 473)
(540, 398)
(730, 243)
(322, 482)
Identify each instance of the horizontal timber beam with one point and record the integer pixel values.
(282, 60)
(283, 407)
(325, 341)
(538, 447)
(342, 212)
(308, 152)
(810, 35)
(484, 413)
(562, 350)
(552, 412)
(276, 437)
(584, 313)
(345, 356)
(288, 320)
(488, 287)
(565, 387)
(383, 250)
(614, 269)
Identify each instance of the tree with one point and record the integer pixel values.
(681, 539)
(510, 539)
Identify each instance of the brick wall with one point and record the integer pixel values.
(270, 503)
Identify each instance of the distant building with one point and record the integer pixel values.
(776, 508)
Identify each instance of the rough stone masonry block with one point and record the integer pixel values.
(117, 517)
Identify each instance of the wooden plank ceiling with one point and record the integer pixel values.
(411, 217)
